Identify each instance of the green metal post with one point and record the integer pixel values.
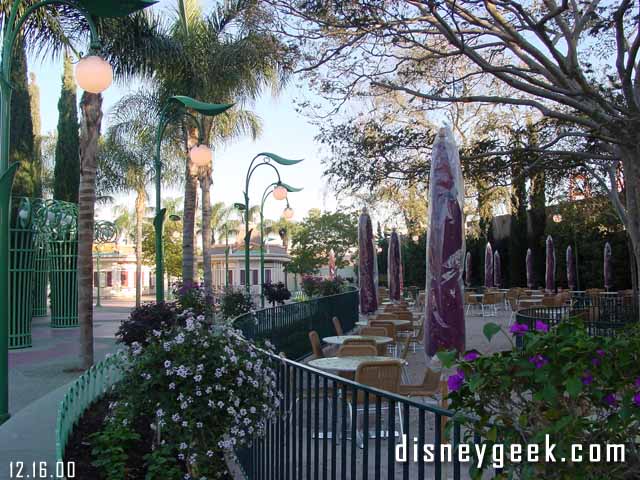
(98, 304)
(262, 256)
(226, 259)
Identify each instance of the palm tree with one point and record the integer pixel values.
(230, 57)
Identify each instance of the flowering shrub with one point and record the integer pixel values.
(207, 391)
(576, 388)
(145, 318)
(319, 286)
(310, 285)
(276, 293)
(235, 302)
(192, 297)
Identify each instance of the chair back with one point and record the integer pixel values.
(431, 379)
(373, 331)
(315, 344)
(384, 316)
(357, 350)
(359, 341)
(384, 375)
(388, 326)
(469, 300)
(338, 326)
(513, 303)
(490, 298)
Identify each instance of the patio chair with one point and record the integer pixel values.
(338, 326)
(316, 347)
(404, 357)
(391, 332)
(383, 375)
(376, 332)
(490, 302)
(357, 350)
(470, 302)
(417, 338)
(429, 388)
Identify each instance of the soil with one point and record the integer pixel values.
(79, 446)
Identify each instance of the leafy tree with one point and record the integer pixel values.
(172, 244)
(317, 234)
(21, 141)
(276, 293)
(66, 180)
(34, 100)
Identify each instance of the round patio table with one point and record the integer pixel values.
(397, 323)
(529, 301)
(609, 293)
(344, 364)
(339, 340)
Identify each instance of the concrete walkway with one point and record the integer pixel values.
(38, 380)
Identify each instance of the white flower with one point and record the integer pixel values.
(157, 333)
(160, 413)
(175, 417)
(252, 409)
(183, 446)
(166, 346)
(197, 378)
(167, 363)
(209, 453)
(199, 424)
(185, 423)
(208, 390)
(125, 422)
(179, 338)
(200, 367)
(172, 386)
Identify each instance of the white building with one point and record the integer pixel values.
(117, 272)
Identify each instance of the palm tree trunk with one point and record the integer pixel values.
(205, 185)
(189, 217)
(91, 106)
(140, 206)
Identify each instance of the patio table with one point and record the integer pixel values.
(530, 301)
(344, 364)
(339, 340)
(397, 323)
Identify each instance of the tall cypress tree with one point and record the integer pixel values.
(518, 230)
(34, 96)
(66, 174)
(21, 135)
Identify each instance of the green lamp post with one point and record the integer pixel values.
(93, 75)
(279, 193)
(174, 109)
(287, 213)
(103, 232)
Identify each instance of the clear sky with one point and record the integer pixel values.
(285, 132)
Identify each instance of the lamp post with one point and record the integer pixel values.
(280, 193)
(175, 108)
(94, 75)
(103, 232)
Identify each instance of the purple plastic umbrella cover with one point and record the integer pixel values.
(529, 265)
(368, 299)
(488, 266)
(393, 266)
(550, 267)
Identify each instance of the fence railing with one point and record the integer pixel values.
(603, 315)
(331, 427)
(287, 326)
(85, 390)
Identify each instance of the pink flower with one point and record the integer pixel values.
(541, 326)
(471, 356)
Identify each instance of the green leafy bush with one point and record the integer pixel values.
(207, 390)
(192, 297)
(144, 319)
(563, 383)
(235, 302)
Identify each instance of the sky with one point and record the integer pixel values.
(285, 132)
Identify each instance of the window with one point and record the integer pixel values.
(254, 277)
(243, 275)
(124, 278)
(109, 279)
(267, 276)
(230, 277)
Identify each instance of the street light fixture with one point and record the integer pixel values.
(287, 211)
(94, 74)
(267, 158)
(176, 108)
(11, 27)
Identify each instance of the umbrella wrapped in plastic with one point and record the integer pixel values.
(332, 264)
(571, 269)
(467, 269)
(488, 266)
(608, 270)
(497, 270)
(376, 278)
(550, 266)
(529, 265)
(368, 298)
(444, 319)
(393, 267)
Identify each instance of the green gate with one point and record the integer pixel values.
(60, 223)
(40, 276)
(21, 262)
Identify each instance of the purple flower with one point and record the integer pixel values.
(595, 362)
(471, 356)
(610, 400)
(638, 382)
(541, 326)
(587, 378)
(519, 329)
(600, 352)
(636, 399)
(539, 361)
(454, 382)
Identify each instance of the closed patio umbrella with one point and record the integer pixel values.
(393, 266)
(444, 319)
(497, 270)
(488, 266)
(550, 268)
(571, 269)
(529, 264)
(368, 295)
(467, 269)
(608, 270)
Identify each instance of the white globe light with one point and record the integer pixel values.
(279, 193)
(288, 213)
(94, 74)
(201, 156)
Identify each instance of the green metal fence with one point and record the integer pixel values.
(61, 227)
(287, 326)
(21, 260)
(88, 388)
(40, 277)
